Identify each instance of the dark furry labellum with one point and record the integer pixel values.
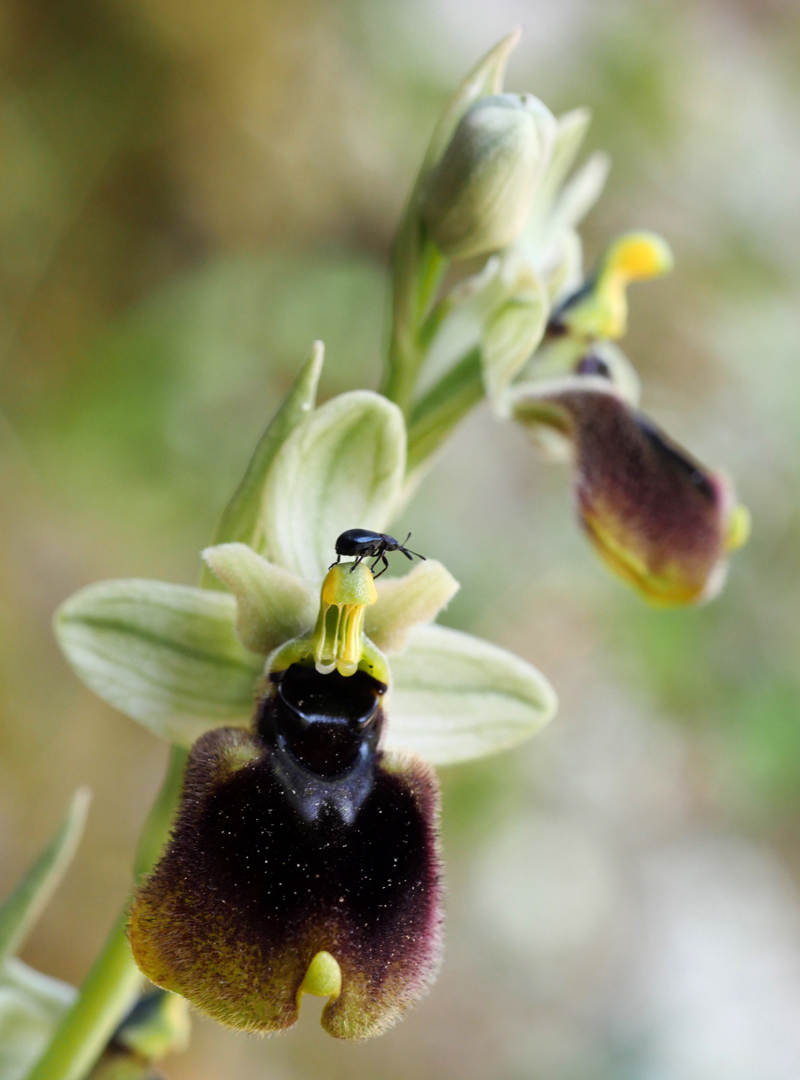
(299, 838)
(660, 520)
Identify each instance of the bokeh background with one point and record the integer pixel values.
(189, 194)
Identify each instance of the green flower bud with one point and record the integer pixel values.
(478, 196)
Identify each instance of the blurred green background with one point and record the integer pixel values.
(189, 194)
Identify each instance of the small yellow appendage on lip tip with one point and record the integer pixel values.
(323, 978)
(739, 528)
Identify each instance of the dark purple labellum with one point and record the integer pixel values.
(300, 838)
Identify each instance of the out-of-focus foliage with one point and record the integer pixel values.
(189, 195)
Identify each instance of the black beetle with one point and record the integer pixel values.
(365, 544)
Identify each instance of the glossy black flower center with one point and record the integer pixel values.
(326, 721)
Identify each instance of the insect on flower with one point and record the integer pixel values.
(365, 544)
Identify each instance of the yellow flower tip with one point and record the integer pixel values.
(323, 978)
(637, 256)
(667, 589)
(739, 528)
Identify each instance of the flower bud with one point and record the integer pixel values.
(478, 196)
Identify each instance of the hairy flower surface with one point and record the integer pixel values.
(305, 855)
(659, 519)
(294, 844)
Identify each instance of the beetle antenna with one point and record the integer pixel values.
(408, 553)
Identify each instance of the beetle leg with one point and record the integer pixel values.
(385, 565)
(355, 564)
(338, 560)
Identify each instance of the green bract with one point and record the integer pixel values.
(32, 1004)
(182, 660)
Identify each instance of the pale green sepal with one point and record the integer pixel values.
(23, 907)
(456, 697)
(579, 194)
(240, 518)
(561, 268)
(570, 133)
(166, 655)
(486, 78)
(31, 1006)
(341, 469)
(408, 601)
(273, 603)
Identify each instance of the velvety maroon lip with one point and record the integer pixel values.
(271, 862)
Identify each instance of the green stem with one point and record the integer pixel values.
(417, 271)
(445, 405)
(113, 984)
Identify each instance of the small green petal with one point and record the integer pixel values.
(239, 520)
(20, 911)
(580, 193)
(570, 133)
(274, 604)
(455, 697)
(561, 267)
(408, 601)
(166, 655)
(342, 468)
